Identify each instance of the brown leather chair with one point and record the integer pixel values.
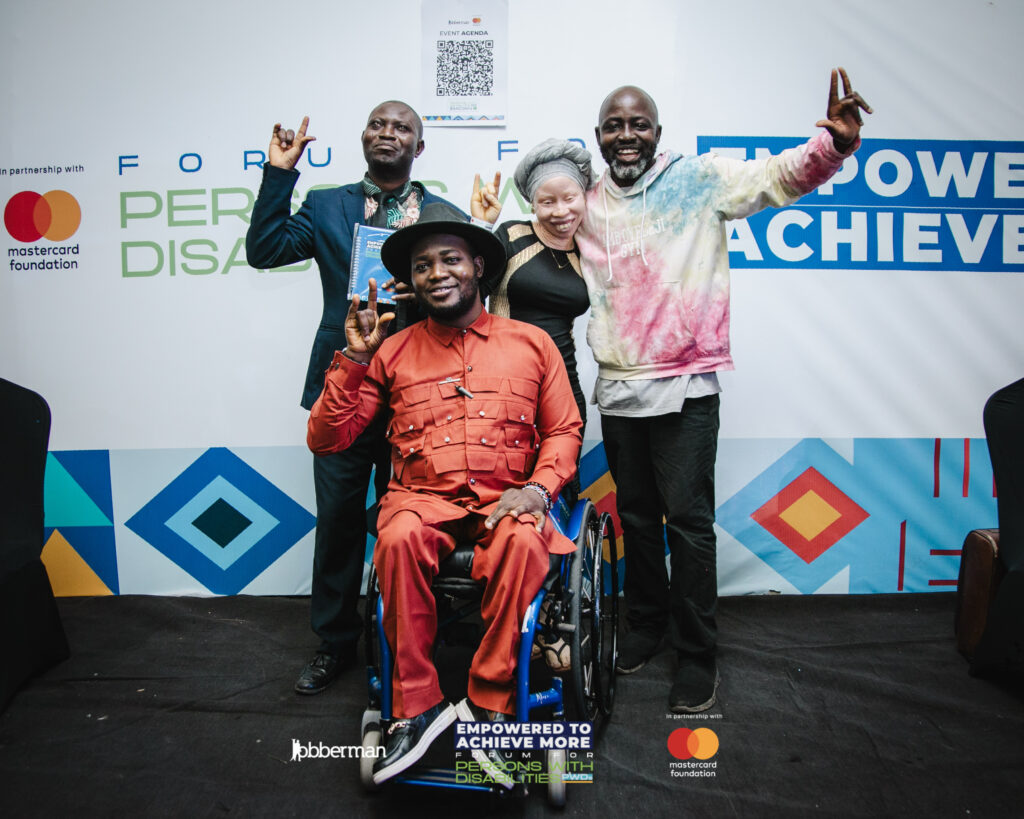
(981, 572)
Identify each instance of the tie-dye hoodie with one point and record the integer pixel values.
(656, 261)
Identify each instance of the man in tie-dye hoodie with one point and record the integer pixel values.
(656, 264)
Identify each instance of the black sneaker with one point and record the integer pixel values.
(407, 740)
(637, 648)
(492, 762)
(695, 688)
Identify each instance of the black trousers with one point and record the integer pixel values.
(1002, 645)
(664, 473)
(341, 480)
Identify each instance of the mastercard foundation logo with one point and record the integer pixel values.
(699, 743)
(30, 216)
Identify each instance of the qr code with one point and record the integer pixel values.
(465, 68)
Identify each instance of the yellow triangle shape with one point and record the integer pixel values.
(70, 576)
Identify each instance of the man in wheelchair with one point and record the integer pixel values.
(484, 432)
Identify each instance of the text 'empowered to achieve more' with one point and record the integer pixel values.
(524, 735)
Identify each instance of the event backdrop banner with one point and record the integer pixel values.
(870, 320)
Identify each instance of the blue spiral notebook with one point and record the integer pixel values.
(366, 263)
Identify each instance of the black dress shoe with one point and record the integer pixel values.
(408, 739)
(322, 670)
(492, 761)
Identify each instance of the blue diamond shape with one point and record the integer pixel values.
(222, 522)
(183, 524)
(166, 522)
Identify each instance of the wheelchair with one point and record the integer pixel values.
(582, 608)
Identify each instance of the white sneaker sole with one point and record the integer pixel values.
(491, 768)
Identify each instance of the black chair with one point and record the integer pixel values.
(1000, 649)
(31, 635)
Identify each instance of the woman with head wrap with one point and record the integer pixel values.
(543, 284)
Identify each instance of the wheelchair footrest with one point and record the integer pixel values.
(448, 778)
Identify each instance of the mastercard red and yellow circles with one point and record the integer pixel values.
(30, 216)
(699, 743)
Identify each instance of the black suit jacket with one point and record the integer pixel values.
(322, 229)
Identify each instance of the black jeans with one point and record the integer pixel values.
(341, 480)
(664, 470)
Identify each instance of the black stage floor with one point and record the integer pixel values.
(837, 706)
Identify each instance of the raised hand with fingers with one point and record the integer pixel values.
(365, 331)
(286, 145)
(484, 203)
(843, 115)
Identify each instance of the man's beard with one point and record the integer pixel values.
(632, 171)
(444, 313)
(627, 173)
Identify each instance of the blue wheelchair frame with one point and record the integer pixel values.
(570, 524)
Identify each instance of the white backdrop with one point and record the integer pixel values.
(161, 106)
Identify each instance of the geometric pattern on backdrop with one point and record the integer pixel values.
(221, 521)
(892, 517)
(895, 516)
(809, 515)
(597, 484)
(79, 551)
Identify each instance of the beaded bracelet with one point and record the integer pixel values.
(542, 491)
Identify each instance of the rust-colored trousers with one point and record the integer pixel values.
(511, 560)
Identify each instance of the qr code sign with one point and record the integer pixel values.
(465, 68)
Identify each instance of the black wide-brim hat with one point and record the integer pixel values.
(396, 252)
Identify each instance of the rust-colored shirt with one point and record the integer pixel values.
(453, 454)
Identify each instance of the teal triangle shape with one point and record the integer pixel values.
(90, 469)
(65, 502)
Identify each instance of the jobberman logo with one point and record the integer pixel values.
(30, 216)
(317, 750)
(696, 744)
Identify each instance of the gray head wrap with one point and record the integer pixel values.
(553, 157)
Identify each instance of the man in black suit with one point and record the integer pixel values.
(322, 229)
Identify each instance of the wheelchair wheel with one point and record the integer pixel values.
(593, 620)
(609, 613)
(555, 764)
(371, 740)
